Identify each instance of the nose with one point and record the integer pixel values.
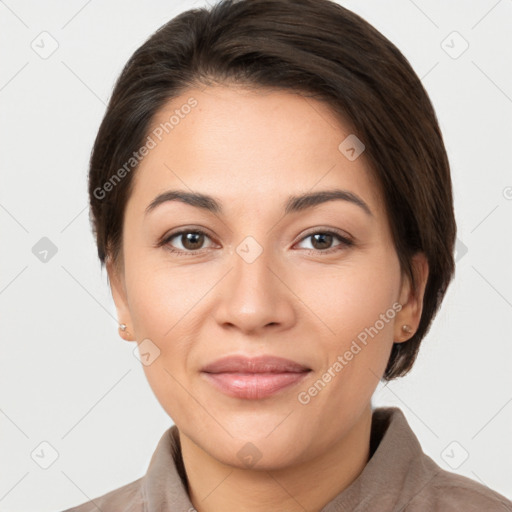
(254, 296)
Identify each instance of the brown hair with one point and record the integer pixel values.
(316, 48)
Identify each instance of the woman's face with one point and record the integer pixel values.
(315, 282)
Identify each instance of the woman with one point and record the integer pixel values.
(271, 196)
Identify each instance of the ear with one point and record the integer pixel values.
(412, 299)
(118, 289)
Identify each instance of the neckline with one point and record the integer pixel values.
(393, 445)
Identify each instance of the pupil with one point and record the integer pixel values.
(192, 239)
(323, 237)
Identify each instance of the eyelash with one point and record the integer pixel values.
(345, 242)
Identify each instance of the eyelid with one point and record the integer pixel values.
(165, 240)
(343, 235)
(345, 239)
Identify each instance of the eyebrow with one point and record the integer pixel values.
(293, 204)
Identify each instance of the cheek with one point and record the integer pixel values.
(159, 298)
(352, 297)
(355, 308)
(160, 309)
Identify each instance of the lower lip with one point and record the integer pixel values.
(253, 386)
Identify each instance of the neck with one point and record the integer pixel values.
(308, 486)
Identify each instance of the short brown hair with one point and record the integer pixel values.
(312, 47)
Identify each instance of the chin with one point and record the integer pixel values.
(258, 457)
(263, 448)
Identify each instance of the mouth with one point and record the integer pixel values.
(253, 378)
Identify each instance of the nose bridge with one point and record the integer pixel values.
(252, 296)
(252, 281)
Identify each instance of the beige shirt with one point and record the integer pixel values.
(399, 477)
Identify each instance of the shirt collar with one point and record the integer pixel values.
(382, 485)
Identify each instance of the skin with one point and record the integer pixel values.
(251, 150)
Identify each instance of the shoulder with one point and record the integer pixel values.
(127, 498)
(413, 481)
(447, 491)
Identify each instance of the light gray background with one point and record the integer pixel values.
(68, 379)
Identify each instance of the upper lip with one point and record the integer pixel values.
(260, 364)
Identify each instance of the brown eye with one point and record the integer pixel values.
(185, 241)
(323, 242)
(192, 241)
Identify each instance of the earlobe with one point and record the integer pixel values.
(118, 290)
(124, 333)
(411, 299)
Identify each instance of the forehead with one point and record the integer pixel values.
(252, 145)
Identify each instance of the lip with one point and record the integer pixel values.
(259, 364)
(253, 378)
